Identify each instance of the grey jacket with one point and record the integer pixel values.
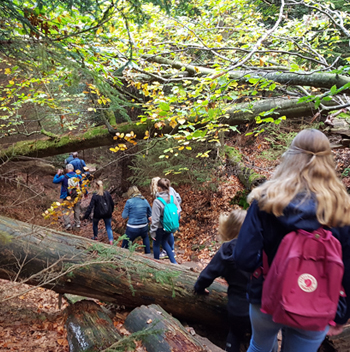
(177, 196)
(157, 212)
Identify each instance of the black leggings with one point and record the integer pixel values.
(239, 333)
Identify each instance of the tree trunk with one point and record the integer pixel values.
(338, 343)
(318, 79)
(89, 329)
(71, 264)
(166, 334)
(100, 136)
(247, 176)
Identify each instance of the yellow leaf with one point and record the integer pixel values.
(122, 135)
(173, 122)
(111, 29)
(180, 148)
(262, 62)
(115, 137)
(7, 71)
(11, 82)
(219, 38)
(99, 30)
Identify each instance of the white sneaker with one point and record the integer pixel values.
(163, 255)
(77, 226)
(68, 227)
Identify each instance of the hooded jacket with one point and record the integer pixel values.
(264, 231)
(224, 265)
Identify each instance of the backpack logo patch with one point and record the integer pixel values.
(307, 283)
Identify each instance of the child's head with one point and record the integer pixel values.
(229, 225)
(307, 167)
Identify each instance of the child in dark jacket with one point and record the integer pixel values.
(223, 265)
(102, 204)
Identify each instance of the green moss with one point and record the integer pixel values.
(232, 153)
(94, 132)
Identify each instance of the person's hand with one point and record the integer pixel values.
(150, 219)
(153, 238)
(59, 172)
(335, 330)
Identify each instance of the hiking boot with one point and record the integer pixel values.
(163, 255)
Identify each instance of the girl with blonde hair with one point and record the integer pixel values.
(102, 204)
(138, 210)
(304, 193)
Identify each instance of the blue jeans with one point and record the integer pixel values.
(265, 331)
(108, 224)
(162, 239)
(133, 233)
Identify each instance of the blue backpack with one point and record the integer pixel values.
(170, 215)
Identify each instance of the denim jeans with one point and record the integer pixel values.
(162, 239)
(294, 340)
(108, 224)
(133, 233)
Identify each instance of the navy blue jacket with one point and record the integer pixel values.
(264, 231)
(223, 265)
(138, 210)
(78, 164)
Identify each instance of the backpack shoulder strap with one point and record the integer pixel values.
(171, 199)
(162, 200)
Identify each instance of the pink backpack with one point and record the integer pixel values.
(304, 283)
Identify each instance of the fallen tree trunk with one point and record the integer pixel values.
(70, 264)
(317, 79)
(89, 328)
(247, 176)
(164, 333)
(100, 136)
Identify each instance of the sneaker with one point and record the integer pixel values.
(68, 227)
(163, 255)
(174, 254)
(94, 238)
(77, 226)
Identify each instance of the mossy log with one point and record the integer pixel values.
(247, 176)
(163, 332)
(89, 329)
(338, 343)
(101, 136)
(71, 264)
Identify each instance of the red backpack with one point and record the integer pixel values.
(304, 283)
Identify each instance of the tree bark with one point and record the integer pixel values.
(247, 176)
(166, 334)
(100, 136)
(89, 328)
(338, 343)
(71, 264)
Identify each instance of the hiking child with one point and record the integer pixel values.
(223, 265)
(154, 191)
(303, 195)
(138, 210)
(159, 235)
(63, 179)
(102, 204)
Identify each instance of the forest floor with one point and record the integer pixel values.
(33, 322)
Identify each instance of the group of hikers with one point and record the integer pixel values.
(286, 260)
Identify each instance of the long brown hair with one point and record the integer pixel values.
(164, 184)
(308, 168)
(153, 186)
